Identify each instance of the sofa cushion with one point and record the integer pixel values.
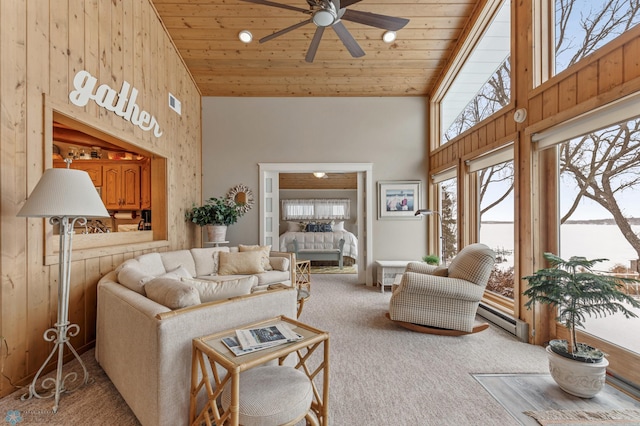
(441, 271)
(171, 293)
(149, 263)
(218, 290)
(177, 273)
(270, 277)
(264, 251)
(134, 278)
(243, 263)
(173, 259)
(207, 259)
(279, 263)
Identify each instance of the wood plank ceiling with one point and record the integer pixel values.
(206, 35)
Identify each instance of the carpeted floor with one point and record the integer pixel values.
(381, 374)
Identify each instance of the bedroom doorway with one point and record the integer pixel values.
(270, 205)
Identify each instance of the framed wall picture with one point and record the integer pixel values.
(398, 199)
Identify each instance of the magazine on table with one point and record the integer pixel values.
(231, 342)
(270, 335)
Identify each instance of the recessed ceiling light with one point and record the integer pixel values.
(319, 175)
(245, 36)
(389, 36)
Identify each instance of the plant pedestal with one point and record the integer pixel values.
(217, 233)
(578, 378)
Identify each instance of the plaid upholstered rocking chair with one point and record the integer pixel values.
(441, 300)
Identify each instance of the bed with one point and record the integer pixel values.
(322, 240)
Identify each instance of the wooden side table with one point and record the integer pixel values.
(211, 350)
(303, 282)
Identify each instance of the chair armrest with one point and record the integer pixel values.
(420, 267)
(292, 263)
(455, 288)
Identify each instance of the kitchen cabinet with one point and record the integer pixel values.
(121, 186)
(92, 168)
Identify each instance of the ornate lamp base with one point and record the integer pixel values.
(53, 387)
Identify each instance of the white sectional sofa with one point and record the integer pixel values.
(144, 345)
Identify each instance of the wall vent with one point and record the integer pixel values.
(175, 104)
(517, 327)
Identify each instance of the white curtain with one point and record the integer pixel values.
(312, 209)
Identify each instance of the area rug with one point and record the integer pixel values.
(535, 399)
(578, 417)
(334, 270)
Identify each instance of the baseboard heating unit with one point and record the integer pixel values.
(517, 327)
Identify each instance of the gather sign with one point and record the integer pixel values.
(121, 103)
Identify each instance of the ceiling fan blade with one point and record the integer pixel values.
(346, 3)
(347, 39)
(274, 4)
(285, 30)
(313, 47)
(384, 22)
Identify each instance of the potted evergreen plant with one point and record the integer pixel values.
(431, 259)
(216, 214)
(577, 291)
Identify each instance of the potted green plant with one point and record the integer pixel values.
(216, 214)
(431, 259)
(577, 292)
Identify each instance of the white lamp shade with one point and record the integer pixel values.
(64, 192)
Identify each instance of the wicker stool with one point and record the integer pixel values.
(272, 395)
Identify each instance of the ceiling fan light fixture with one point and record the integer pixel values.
(389, 36)
(324, 17)
(319, 175)
(245, 36)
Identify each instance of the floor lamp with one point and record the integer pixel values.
(427, 212)
(67, 197)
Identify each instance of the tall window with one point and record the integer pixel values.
(496, 208)
(483, 84)
(311, 209)
(599, 187)
(583, 26)
(448, 194)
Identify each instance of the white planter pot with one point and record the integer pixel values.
(578, 378)
(217, 233)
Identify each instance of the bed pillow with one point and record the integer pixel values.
(171, 293)
(295, 226)
(338, 226)
(219, 290)
(264, 254)
(240, 263)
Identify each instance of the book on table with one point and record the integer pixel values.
(267, 336)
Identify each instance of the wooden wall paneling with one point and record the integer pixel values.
(13, 265)
(610, 70)
(59, 60)
(587, 82)
(567, 93)
(116, 64)
(534, 114)
(74, 35)
(475, 141)
(631, 56)
(104, 48)
(91, 40)
(92, 276)
(510, 124)
(501, 130)
(550, 101)
(491, 131)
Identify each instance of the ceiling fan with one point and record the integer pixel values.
(330, 13)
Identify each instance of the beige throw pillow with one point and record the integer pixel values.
(264, 250)
(241, 263)
(134, 278)
(171, 293)
(219, 290)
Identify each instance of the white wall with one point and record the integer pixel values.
(390, 133)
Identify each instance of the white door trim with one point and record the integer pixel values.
(366, 199)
